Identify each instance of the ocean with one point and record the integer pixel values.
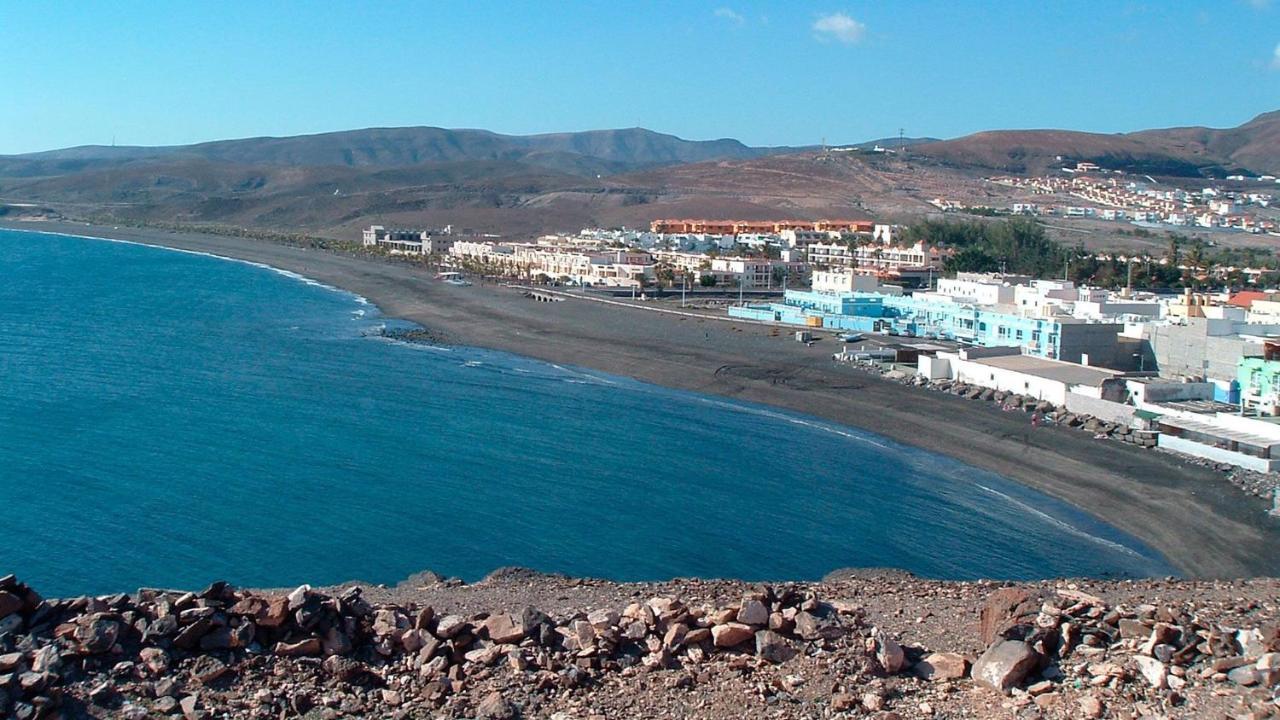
(170, 418)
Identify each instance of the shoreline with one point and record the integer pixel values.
(1196, 520)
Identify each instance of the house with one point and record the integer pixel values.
(1008, 370)
(408, 242)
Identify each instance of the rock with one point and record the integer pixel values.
(890, 654)
(274, 613)
(753, 612)
(602, 620)
(731, 634)
(1090, 707)
(191, 709)
(504, 629)
(872, 702)
(97, 635)
(344, 669)
(697, 635)
(1003, 610)
(675, 636)
(773, 647)
(495, 707)
(1223, 664)
(189, 637)
(46, 659)
(9, 604)
(585, 633)
(309, 646)
(155, 659)
(10, 661)
(842, 702)
(1040, 688)
(1004, 665)
(1153, 670)
(207, 669)
(942, 666)
(1250, 642)
(336, 642)
(1268, 668)
(1246, 676)
(1131, 629)
(450, 626)
(298, 597)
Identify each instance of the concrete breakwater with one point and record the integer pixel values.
(862, 647)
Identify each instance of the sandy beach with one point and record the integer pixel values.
(1198, 521)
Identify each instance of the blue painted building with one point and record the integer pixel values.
(932, 317)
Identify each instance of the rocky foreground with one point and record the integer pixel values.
(879, 646)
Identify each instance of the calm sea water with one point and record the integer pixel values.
(168, 418)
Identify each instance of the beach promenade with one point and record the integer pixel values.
(1202, 524)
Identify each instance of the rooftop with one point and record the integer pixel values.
(1058, 370)
(1218, 431)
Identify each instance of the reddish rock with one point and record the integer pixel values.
(310, 646)
(207, 669)
(1004, 609)
(773, 647)
(495, 707)
(275, 613)
(503, 629)
(942, 666)
(753, 612)
(1004, 665)
(9, 604)
(731, 634)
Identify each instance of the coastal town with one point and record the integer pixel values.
(1089, 192)
(640, 361)
(1195, 372)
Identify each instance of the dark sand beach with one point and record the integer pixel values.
(1198, 521)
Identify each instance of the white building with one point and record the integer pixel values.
(832, 255)
(408, 242)
(980, 288)
(1007, 370)
(848, 281)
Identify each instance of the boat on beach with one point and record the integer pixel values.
(454, 278)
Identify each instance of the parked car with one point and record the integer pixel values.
(853, 337)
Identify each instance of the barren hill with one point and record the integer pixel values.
(593, 152)
(333, 183)
(1194, 151)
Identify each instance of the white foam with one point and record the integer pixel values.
(797, 421)
(580, 375)
(1072, 529)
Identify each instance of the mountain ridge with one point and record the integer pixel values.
(595, 151)
(1252, 147)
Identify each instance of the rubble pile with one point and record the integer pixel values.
(224, 652)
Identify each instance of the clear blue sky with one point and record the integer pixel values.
(763, 72)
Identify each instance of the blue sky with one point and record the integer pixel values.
(767, 73)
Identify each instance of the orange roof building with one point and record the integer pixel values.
(740, 227)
